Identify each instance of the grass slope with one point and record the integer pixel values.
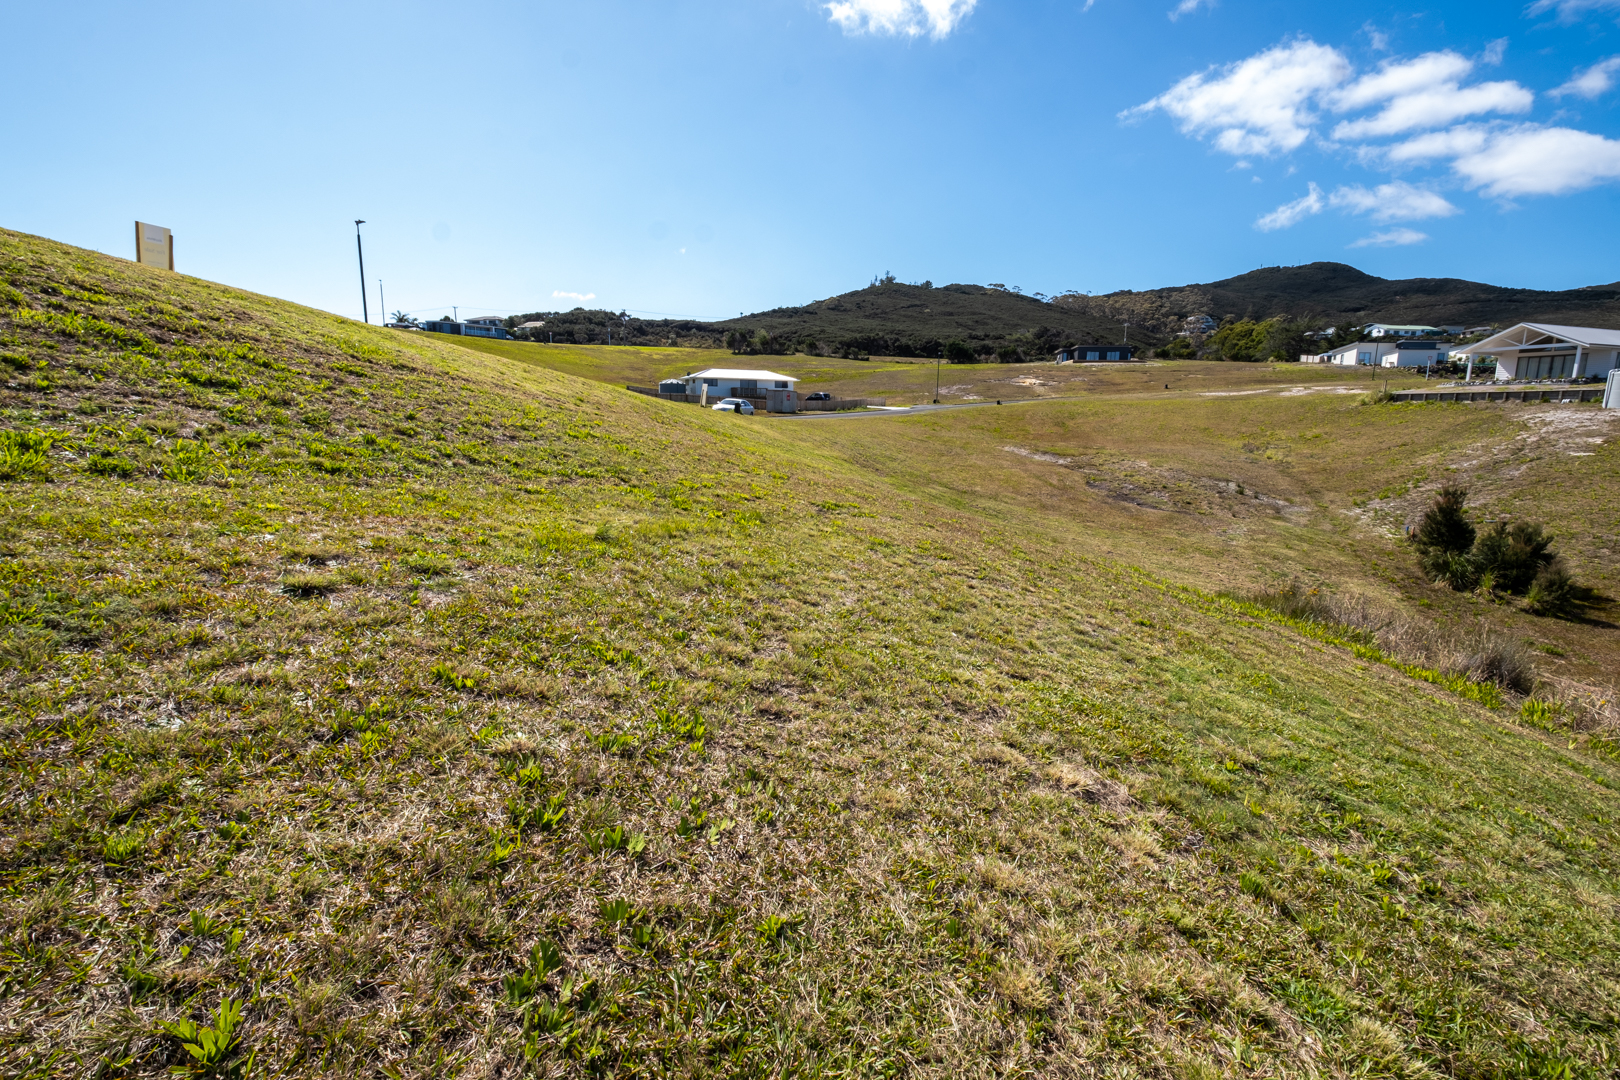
(456, 716)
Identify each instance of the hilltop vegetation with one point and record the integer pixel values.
(1333, 294)
(892, 318)
(888, 318)
(385, 707)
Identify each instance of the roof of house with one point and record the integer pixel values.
(1400, 326)
(1532, 335)
(740, 373)
(487, 319)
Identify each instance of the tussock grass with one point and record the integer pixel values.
(1475, 656)
(797, 768)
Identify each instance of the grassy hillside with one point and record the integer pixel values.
(1338, 295)
(454, 716)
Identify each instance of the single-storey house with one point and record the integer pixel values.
(1389, 354)
(486, 327)
(1363, 353)
(1378, 330)
(731, 382)
(1535, 351)
(1095, 354)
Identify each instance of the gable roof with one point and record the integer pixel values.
(1542, 335)
(740, 373)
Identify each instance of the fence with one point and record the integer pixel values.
(1503, 393)
(837, 404)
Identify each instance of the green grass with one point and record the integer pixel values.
(455, 716)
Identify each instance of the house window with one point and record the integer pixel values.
(781, 385)
(711, 382)
(1365, 358)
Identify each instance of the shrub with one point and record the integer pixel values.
(1513, 554)
(1444, 526)
(1454, 569)
(1552, 592)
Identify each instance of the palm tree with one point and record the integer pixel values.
(400, 316)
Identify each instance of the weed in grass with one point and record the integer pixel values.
(449, 675)
(23, 454)
(213, 1049)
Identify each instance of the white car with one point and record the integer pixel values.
(734, 404)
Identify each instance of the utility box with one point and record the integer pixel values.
(786, 401)
(1611, 390)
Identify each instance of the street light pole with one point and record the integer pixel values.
(940, 356)
(381, 302)
(365, 312)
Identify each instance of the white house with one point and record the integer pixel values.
(1389, 354)
(1363, 353)
(1535, 351)
(1379, 330)
(733, 382)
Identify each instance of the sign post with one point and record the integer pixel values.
(154, 246)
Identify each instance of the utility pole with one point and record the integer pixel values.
(365, 314)
(381, 302)
(455, 313)
(940, 356)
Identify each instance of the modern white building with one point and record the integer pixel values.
(1378, 330)
(1536, 351)
(732, 382)
(1389, 354)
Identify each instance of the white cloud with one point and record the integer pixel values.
(1455, 142)
(1292, 213)
(1422, 93)
(908, 18)
(1398, 201)
(1571, 10)
(1375, 37)
(558, 294)
(1494, 52)
(1187, 7)
(1530, 160)
(1392, 238)
(1259, 106)
(1594, 82)
(1397, 78)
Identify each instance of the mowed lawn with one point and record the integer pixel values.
(452, 716)
(905, 381)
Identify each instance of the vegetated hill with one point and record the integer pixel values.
(1337, 294)
(888, 318)
(446, 715)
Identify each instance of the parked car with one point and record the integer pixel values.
(734, 404)
(819, 395)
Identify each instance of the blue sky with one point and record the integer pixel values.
(703, 159)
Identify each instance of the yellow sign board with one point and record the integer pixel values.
(154, 245)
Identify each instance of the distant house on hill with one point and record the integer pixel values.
(488, 326)
(1537, 351)
(1378, 330)
(1199, 324)
(1096, 354)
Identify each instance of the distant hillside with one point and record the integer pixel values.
(1338, 294)
(890, 318)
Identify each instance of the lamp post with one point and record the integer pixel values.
(938, 358)
(365, 312)
(382, 303)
